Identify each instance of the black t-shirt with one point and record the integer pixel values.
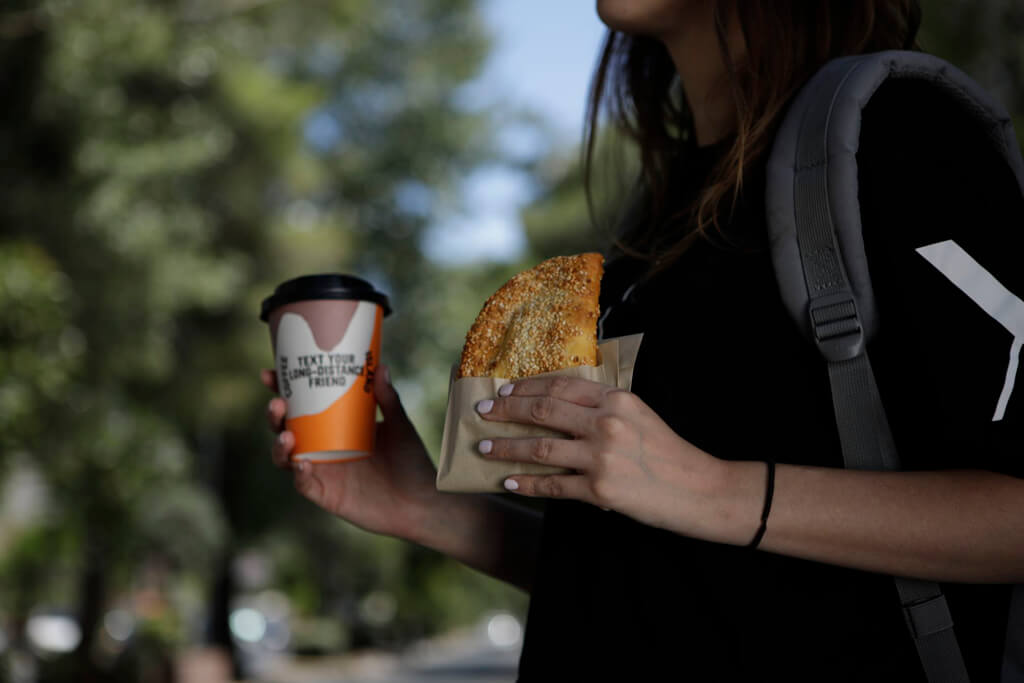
(723, 364)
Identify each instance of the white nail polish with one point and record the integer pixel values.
(505, 390)
(486, 446)
(484, 406)
(511, 484)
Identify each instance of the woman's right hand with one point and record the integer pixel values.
(389, 492)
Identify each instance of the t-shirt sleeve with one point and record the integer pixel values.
(943, 221)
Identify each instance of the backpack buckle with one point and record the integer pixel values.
(928, 617)
(838, 333)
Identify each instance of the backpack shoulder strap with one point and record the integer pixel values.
(812, 179)
(818, 253)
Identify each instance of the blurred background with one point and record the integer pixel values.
(163, 165)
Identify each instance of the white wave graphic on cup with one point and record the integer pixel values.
(311, 378)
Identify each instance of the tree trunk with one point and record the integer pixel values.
(211, 448)
(92, 590)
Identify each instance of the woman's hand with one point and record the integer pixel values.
(624, 458)
(388, 492)
(392, 492)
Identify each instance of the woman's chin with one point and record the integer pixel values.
(639, 17)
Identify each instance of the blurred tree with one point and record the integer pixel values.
(561, 221)
(983, 39)
(40, 349)
(167, 164)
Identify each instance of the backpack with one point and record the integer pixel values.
(820, 265)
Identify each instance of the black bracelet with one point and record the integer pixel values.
(768, 491)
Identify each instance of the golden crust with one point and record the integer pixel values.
(541, 320)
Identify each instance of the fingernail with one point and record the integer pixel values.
(485, 446)
(280, 438)
(505, 390)
(387, 374)
(304, 466)
(484, 406)
(511, 484)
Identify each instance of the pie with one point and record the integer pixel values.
(541, 320)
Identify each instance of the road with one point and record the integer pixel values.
(462, 657)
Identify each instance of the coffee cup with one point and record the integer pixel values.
(325, 332)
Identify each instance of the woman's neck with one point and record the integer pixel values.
(693, 46)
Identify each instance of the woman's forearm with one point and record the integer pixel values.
(965, 525)
(487, 533)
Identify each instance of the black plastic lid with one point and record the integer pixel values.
(323, 286)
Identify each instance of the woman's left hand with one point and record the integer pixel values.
(624, 458)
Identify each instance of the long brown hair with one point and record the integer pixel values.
(786, 42)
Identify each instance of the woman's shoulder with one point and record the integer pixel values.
(942, 214)
(914, 122)
(925, 158)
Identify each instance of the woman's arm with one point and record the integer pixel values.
(947, 526)
(946, 366)
(497, 537)
(965, 525)
(393, 493)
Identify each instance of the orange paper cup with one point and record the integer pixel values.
(325, 331)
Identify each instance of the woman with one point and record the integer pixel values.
(643, 570)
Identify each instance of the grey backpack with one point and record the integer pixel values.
(818, 254)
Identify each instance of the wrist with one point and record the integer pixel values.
(422, 519)
(447, 522)
(741, 501)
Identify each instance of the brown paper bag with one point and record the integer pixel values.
(462, 468)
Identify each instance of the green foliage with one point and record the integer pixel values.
(27, 562)
(166, 165)
(40, 348)
(983, 39)
(563, 220)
